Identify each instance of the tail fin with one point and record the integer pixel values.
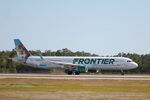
(22, 52)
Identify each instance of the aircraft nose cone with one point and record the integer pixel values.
(135, 65)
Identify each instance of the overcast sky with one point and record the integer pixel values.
(104, 27)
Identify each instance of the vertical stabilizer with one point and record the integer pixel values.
(22, 52)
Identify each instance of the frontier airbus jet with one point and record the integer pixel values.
(72, 65)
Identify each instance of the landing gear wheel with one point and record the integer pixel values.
(69, 72)
(122, 72)
(77, 73)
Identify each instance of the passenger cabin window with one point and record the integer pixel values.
(129, 61)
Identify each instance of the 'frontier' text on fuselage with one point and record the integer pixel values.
(93, 61)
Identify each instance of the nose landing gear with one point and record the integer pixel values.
(122, 72)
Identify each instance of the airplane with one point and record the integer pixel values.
(72, 65)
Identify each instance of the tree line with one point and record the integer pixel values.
(8, 66)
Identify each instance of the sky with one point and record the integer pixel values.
(103, 27)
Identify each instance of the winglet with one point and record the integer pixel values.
(41, 56)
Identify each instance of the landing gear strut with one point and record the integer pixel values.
(122, 72)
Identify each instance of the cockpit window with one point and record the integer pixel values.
(129, 61)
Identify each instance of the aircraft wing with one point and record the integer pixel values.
(63, 63)
(58, 62)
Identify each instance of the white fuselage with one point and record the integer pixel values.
(102, 63)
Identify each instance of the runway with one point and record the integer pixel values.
(75, 77)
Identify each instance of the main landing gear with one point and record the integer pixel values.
(73, 73)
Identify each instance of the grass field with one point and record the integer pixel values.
(45, 89)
